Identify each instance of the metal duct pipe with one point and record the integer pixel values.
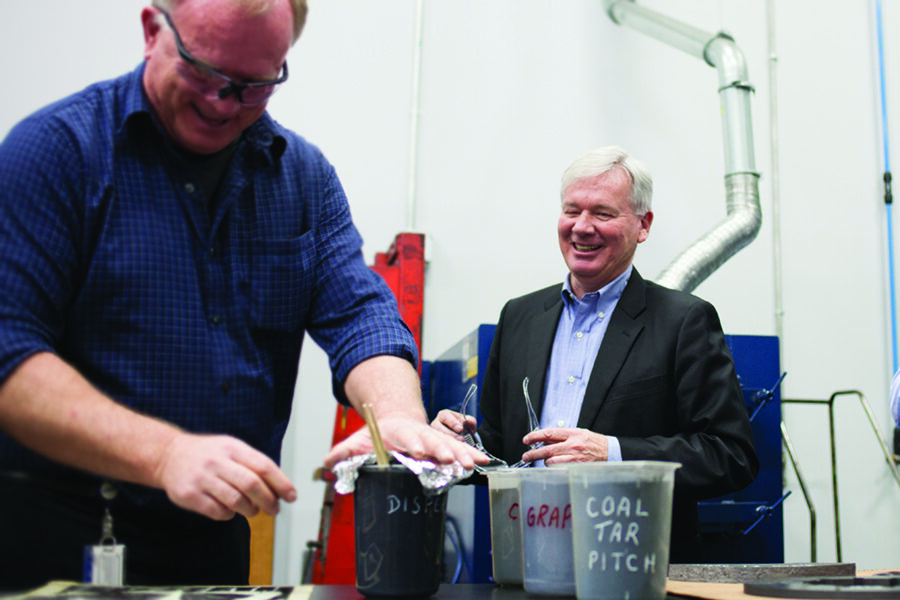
(744, 216)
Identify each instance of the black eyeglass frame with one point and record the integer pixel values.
(233, 87)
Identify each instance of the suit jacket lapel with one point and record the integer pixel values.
(624, 327)
(543, 331)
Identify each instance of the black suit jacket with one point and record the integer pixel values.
(663, 383)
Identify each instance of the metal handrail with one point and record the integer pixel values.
(881, 442)
(806, 496)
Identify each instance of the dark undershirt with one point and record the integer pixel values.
(210, 169)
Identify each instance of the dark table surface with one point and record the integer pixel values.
(447, 591)
(719, 582)
(458, 591)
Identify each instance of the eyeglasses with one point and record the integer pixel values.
(216, 85)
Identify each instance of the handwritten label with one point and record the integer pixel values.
(413, 505)
(620, 523)
(549, 516)
(626, 536)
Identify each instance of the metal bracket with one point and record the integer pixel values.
(766, 512)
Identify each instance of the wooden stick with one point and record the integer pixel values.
(381, 455)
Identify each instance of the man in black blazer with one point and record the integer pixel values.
(618, 368)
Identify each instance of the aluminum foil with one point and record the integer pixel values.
(435, 479)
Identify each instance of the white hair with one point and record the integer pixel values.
(599, 161)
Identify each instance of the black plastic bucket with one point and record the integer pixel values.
(399, 533)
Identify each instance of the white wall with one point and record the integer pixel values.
(511, 92)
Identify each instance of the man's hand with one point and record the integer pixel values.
(218, 476)
(49, 407)
(411, 437)
(566, 445)
(390, 385)
(451, 423)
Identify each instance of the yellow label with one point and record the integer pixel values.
(472, 367)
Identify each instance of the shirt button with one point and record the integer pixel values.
(212, 252)
(571, 379)
(560, 423)
(189, 188)
(216, 319)
(601, 314)
(579, 335)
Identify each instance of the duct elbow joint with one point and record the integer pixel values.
(723, 54)
(711, 50)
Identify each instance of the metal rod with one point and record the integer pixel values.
(412, 218)
(834, 483)
(775, 179)
(834, 488)
(806, 496)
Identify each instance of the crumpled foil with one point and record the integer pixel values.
(435, 479)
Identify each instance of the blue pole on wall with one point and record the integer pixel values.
(888, 197)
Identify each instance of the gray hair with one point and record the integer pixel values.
(599, 161)
(254, 7)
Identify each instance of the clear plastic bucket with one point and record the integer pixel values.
(546, 521)
(506, 533)
(621, 523)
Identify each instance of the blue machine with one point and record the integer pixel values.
(742, 528)
(748, 526)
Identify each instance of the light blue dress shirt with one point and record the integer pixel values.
(578, 337)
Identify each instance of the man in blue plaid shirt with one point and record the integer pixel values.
(165, 246)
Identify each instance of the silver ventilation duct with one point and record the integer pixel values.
(744, 217)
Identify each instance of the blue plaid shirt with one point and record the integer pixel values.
(112, 260)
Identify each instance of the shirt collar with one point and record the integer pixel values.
(263, 136)
(612, 291)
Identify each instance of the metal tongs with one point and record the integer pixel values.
(533, 425)
(471, 437)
